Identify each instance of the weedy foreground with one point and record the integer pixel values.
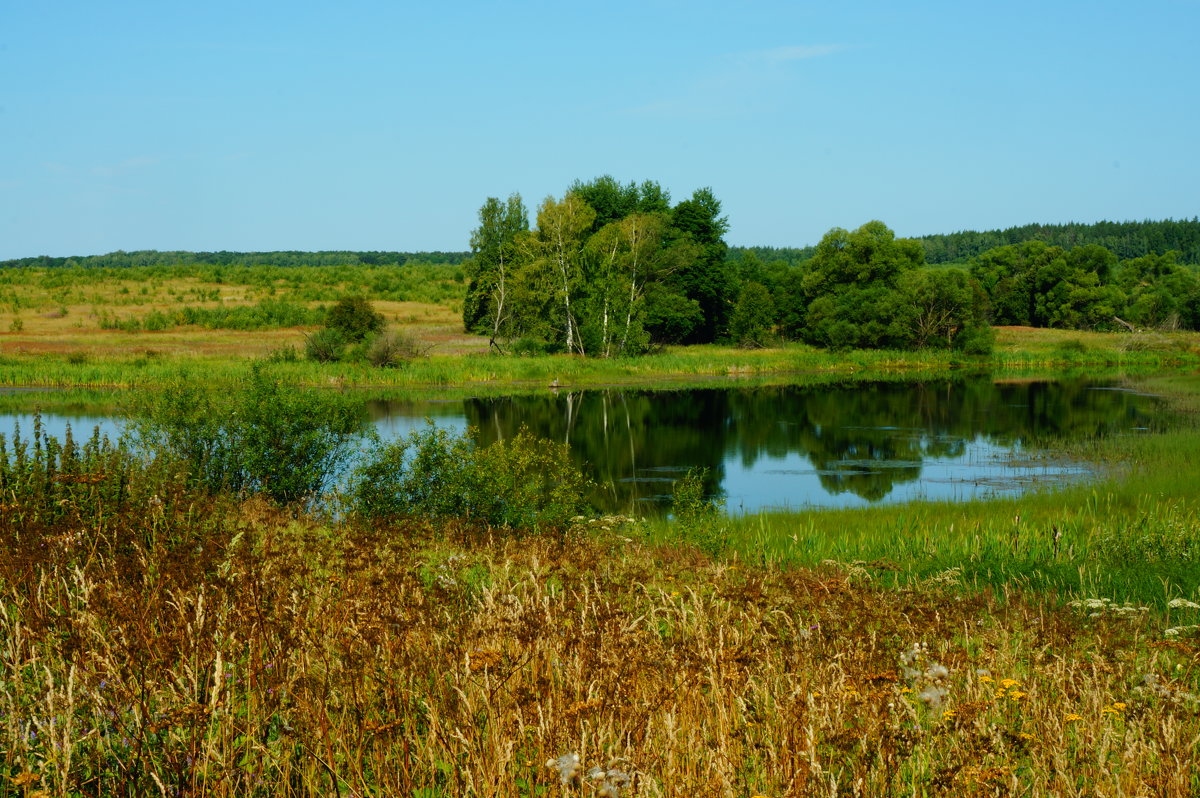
(204, 647)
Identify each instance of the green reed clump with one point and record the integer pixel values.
(43, 479)
(697, 513)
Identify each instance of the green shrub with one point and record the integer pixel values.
(698, 517)
(354, 318)
(393, 349)
(269, 438)
(522, 483)
(976, 340)
(326, 345)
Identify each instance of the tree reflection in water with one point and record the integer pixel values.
(860, 440)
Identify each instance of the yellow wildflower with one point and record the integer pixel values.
(1119, 706)
(1007, 683)
(1016, 695)
(1072, 717)
(1025, 736)
(986, 679)
(904, 690)
(949, 713)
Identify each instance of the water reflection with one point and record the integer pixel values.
(840, 446)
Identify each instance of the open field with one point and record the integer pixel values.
(126, 327)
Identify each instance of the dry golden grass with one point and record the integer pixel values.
(61, 311)
(243, 652)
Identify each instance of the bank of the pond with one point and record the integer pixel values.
(1017, 351)
(1132, 536)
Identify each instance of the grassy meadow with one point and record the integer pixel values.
(161, 636)
(140, 326)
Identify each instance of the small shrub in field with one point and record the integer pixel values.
(354, 318)
(325, 346)
(393, 349)
(284, 354)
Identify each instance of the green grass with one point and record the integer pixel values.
(1132, 536)
(158, 360)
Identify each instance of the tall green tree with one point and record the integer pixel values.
(849, 288)
(941, 306)
(628, 256)
(562, 228)
(753, 318)
(496, 256)
(705, 278)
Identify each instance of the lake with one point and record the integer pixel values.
(784, 446)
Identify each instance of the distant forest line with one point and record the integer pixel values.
(1124, 239)
(151, 257)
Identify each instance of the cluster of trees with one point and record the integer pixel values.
(1040, 285)
(612, 269)
(608, 270)
(868, 289)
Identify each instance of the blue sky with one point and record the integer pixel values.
(369, 125)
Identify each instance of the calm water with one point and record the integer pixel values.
(787, 446)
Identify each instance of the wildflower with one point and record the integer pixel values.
(1179, 630)
(904, 690)
(1119, 706)
(612, 781)
(1007, 683)
(25, 778)
(1183, 603)
(1071, 717)
(936, 672)
(986, 679)
(568, 767)
(948, 714)
(1025, 736)
(933, 696)
(1016, 695)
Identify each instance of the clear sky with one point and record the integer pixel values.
(363, 125)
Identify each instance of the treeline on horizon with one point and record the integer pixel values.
(291, 258)
(1123, 239)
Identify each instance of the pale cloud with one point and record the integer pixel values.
(104, 170)
(127, 165)
(737, 84)
(798, 52)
